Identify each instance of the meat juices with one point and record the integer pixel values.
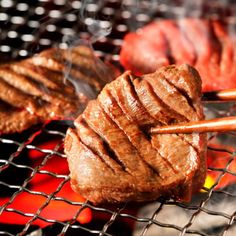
(113, 158)
(54, 84)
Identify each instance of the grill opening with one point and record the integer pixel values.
(35, 194)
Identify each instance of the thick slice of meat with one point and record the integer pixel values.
(208, 45)
(154, 165)
(145, 50)
(138, 139)
(228, 56)
(16, 98)
(54, 84)
(163, 166)
(200, 34)
(181, 49)
(228, 46)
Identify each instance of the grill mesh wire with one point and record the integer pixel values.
(28, 29)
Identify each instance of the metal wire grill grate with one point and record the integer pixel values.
(27, 29)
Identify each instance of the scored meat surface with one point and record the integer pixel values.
(54, 84)
(113, 158)
(208, 45)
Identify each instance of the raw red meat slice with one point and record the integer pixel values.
(205, 44)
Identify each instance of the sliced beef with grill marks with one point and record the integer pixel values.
(54, 84)
(150, 165)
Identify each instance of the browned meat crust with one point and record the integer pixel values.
(54, 84)
(112, 157)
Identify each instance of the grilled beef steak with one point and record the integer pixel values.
(204, 44)
(113, 158)
(53, 84)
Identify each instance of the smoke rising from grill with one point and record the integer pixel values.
(81, 87)
(96, 27)
(97, 30)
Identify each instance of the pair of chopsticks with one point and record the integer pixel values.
(214, 125)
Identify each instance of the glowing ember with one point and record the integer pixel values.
(221, 166)
(56, 207)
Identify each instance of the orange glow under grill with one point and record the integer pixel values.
(60, 210)
(44, 183)
(223, 163)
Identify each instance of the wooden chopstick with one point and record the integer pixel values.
(220, 96)
(215, 125)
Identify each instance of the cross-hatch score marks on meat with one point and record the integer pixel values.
(113, 158)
